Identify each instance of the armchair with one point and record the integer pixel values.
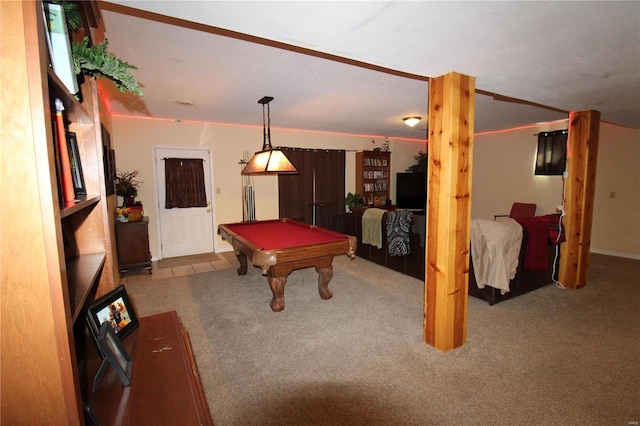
(519, 210)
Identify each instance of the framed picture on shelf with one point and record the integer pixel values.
(115, 309)
(60, 46)
(109, 161)
(76, 167)
(114, 354)
(112, 168)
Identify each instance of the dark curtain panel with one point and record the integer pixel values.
(330, 165)
(295, 192)
(184, 181)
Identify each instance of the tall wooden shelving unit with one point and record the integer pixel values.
(373, 176)
(55, 258)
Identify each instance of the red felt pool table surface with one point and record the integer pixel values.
(280, 246)
(279, 234)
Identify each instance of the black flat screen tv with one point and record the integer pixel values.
(411, 191)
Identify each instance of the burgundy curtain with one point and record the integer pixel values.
(330, 189)
(184, 181)
(295, 192)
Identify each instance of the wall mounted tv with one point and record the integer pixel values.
(411, 191)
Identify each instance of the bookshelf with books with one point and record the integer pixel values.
(373, 173)
(56, 251)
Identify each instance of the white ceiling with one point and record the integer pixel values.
(569, 56)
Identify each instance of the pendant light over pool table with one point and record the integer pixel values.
(268, 161)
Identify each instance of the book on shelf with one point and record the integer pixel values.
(60, 46)
(66, 180)
(79, 190)
(57, 159)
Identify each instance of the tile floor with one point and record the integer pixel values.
(226, 261)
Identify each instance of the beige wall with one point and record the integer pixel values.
(134, 140)
(503, 172)
(616, 229)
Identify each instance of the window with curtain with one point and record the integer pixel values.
(552, 153)
(319, 186)
(184, 181)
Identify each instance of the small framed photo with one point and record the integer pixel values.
(114, 355)
(115, 309)
(109, 160)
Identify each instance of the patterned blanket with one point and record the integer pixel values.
(398, 228)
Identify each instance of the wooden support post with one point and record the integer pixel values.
(584, 129)
(451, 115)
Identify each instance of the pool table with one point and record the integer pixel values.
(280, 246)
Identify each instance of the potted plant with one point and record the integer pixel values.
(353, 201)
(127, 186)
(421, 163)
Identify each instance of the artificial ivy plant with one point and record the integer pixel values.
(97, 62)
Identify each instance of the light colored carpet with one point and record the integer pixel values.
(551, 357)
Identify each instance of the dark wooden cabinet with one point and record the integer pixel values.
(165, 385)
(133, 245)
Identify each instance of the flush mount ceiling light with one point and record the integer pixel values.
(411, 121)
(269, 161)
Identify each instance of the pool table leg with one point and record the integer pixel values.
(325, 274)
(242, 258)
(277, 277)
(277, 288)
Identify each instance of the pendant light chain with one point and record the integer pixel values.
(268, 161)
(268, 125)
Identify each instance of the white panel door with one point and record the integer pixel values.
(184, 231)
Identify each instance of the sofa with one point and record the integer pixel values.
(412, 264)
(525, 279)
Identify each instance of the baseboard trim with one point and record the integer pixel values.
(616, 254)
(597, 251)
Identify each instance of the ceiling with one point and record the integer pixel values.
(360, 67)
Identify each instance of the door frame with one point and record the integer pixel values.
(156, 192)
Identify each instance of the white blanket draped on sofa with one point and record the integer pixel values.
(495, 245)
